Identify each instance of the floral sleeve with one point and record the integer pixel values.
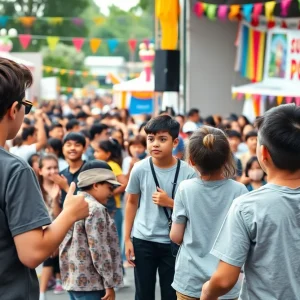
(104, 247)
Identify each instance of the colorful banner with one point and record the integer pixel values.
(140, 106)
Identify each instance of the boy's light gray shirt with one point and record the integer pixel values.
(202, 206)
(262, 231)
(151, 223)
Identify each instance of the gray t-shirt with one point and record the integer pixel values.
(202, 206)
(151, 223)
(22, 209)
(262, 231)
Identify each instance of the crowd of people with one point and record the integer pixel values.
(201, 208)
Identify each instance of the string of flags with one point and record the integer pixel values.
(250, 12)
(28, 21)
(78, 42)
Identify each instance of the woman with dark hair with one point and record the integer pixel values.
(55, 146)
(255, 173)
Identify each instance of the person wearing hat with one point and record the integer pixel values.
(90, 258)
(189, 128)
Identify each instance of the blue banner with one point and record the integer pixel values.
(140, 106)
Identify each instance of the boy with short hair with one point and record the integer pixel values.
(73, 148)
(145, 218)
(90, 258)
(251, 142)
(262, 230)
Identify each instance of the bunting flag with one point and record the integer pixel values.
(247, 11)
(78, 43)
(257, 10)
(211, 10)
(288, 100)
(285, 5)
(95, 44)
(112, 45)
(269, 9)
(55, 21)
(234, 12)
(279, 100)
(132, 44)
(3, 21)
(222, 12)
(27, 21)
(52, 42)
(77, 21)
(49, 69)
(199, 9)
(99, 20)
(271, 99)
(240, 96)
(297, 101)
(25, 40)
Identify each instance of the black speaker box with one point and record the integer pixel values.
(167, 70)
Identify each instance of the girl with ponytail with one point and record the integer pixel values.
(200, 207)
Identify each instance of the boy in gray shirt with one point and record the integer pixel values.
(262, 228)
(145, 219)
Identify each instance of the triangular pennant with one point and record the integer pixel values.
(279, 100)
(63, 71)
(25, 40)
(271, 99)
(78, 43)
(112, 45)
(297, 101)
(77, 21)
(99, 20)
(258, 9)
(240, 96)
(211, 10)
(256, 105)
(247, 10)
(27, 21)
(222, 12)
(288, 100)
(234, 95)
(248, 96)
(285, 5)
(198, 9)
(55, 20)
(3, 21)
(132, 44)
(48, 69)
(234, 11)
(52, 42)
(269, 9)
(95, 44)
(284, 24)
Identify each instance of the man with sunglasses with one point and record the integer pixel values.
(26, 238)
(34, 138)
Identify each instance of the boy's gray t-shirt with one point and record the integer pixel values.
(262, 231)
(151, 223)
(202, 206)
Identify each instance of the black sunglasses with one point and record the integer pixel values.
(28, 105)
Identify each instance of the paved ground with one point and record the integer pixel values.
(122, 294)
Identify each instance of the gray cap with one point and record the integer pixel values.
(89, 177)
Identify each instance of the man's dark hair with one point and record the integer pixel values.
(27, 132)
(27, 121)
(86, 133)
(233, 133)
(97, 129)
(71, 124)
(14, 80)
(56, 145)
(193, 111)
(163, 124)
(250, 134)
(279, 132)
(55, 125)
(94, 164)
(76, 137)
(82, 115)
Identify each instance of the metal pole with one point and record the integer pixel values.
(184, 56)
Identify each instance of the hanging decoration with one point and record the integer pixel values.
(27, 21)
(25, 40)
(78, 43)
(112, 45)
(285, 5)
(247, 10)
(49, 69)
(3, 21)
(95, 44)
(199, 9)
(222, 12)
(234, 12)
(269, 9)
(52, 42)
(132, 44)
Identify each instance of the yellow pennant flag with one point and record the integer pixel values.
(234, 11)
(99, 20)
(55, 20)
(27, 21)
(52, 42)
(234, 95)
(48, 69)
(63, 71)
(248, 96)
(269, 9)
(95, 44)
(279, 100)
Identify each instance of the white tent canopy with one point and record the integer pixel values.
(17, 60)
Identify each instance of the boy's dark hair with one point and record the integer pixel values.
(138, 140)
(193, 111)
(233, 133)
(209, 149)
(142, 126)
(71, 124)
(76, 137)
(14, 80)
(249, 165)
(56, 145)
(97, 129)
(279, 132)
(163, 124)
(27, 121)
(251, 134)
(27, 132)
(94, 164)
(55, 125)
(114, 148)
(86, 133)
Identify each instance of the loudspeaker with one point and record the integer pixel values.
(167, 70)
